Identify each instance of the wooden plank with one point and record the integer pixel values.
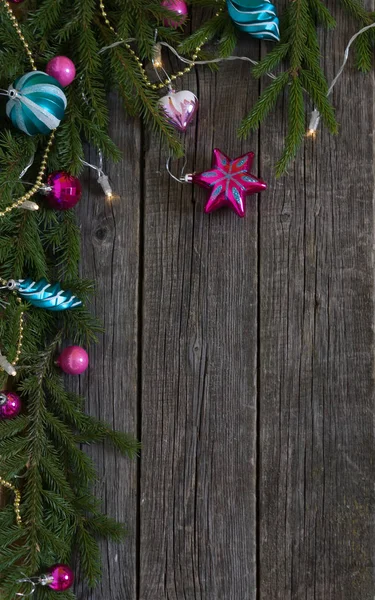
(316, 353)
(197, 515)
(110, 256)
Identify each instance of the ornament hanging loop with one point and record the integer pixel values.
(33, 581)
(188, 178)
(12, 93)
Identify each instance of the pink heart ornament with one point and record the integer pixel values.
(179, 108)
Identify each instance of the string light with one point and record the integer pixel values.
(315, 115)
(5, 364)
(185, 60)
(157, 59)
(213, 60)
(29, 205)
(102, 179)
(157, 63)
(162, 84)
(314, 123)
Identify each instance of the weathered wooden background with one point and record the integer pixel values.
(241, 353)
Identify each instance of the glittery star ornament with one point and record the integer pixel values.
(229, 182)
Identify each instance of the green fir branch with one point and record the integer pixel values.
(296, 125)
(61, 516)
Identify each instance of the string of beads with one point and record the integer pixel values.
(38, 181)
(17, 498)
(20, 339)
(20, 335)
(19, 32)
(167, 82)
(43, 166)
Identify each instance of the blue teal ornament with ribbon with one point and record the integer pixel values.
(43, 294)
(259, 19)
(36, 103)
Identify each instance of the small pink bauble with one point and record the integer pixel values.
(10, 405)
(73, 360)
(63, 190)
(62, 578)
(62, 69)
(177, 6)
(16, 1)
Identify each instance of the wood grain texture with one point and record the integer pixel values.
(316, 354)
(110, 249)
(197, 515)
(253, 395)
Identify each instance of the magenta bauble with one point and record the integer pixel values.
(63, 190)
(62, 69)
(10, 405)
(73, 360)
(16, 1)
(60, 577)
(177, 6)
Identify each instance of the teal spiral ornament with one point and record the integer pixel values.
(259, 19)
(43, 294)
(36, 103)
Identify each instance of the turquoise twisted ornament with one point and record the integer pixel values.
(259, 19)
(36, 103)
(43, 294)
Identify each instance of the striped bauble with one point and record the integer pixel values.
(259, 19)
(36, 103)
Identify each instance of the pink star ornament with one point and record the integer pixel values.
(229, 182)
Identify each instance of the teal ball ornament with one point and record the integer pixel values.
(259, 19)
(36, 103)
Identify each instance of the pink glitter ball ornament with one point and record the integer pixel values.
(180, 8)
(10, 405)
(73, 360)
(62, 69)
(63, 191)
(60, 578)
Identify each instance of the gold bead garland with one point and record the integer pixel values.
(17, 498)
(20, 340)
(20, 335)
(166, 83)
(8, 209)
(38, 181)
(19, 32)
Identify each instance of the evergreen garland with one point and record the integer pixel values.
(298, 56)
(42, 445)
